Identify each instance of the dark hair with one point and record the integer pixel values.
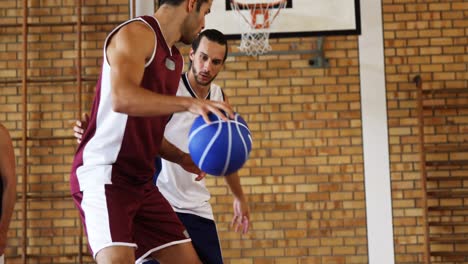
(178, 2)
(212, 35)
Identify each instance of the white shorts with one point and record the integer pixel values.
(2, 259)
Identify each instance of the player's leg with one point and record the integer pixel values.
(178, 254)
(116, 255)
(204, 237)
(159, 232)
(107, 214)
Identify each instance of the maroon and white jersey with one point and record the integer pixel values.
(116, 147)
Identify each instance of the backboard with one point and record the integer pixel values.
(299, 18)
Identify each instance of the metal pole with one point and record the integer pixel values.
(422, 167)
(79, 84)
(133, 8)
(25, 130)
(79, 59)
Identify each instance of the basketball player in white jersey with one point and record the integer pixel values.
(7, 187)
(186, 191)
(190, 198)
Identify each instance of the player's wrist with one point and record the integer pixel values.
(186, 102)
(240, 198)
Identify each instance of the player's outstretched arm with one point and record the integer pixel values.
(8, 178)
(127, 53)
(241, 218)
(173, 154)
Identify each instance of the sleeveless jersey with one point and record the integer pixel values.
(176, 184)
(116, 147)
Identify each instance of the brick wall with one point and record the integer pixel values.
(304, 179)
(305, 176)
(52, 227)
(426, 38)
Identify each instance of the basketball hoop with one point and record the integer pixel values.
(256, 17)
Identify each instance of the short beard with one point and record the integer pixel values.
(196, 78)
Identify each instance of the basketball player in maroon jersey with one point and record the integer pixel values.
(7, 186)
(188, 195)
(125, 217)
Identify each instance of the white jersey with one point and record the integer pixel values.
(176, 184)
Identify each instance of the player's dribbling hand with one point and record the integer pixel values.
(240, 221)
(80, 127)
(187, 164)
(203, 107)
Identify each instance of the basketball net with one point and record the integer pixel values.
(255, 20)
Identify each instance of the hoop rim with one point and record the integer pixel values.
(262, 5)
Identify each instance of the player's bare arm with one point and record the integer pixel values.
(167, 150)
(240, 220)
(127, 53)
(8, 178)
(173, 154)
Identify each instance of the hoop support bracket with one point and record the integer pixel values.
(317, 61)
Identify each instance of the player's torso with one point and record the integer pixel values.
(120, 147)
(177, 185)
(143, 135)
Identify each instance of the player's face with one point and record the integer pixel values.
(207, 61)
(195, 22)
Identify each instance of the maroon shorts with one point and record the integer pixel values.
(125, 215)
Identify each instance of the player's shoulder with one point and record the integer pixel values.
(216, 88)
(4, 135)
(138, 28)
(136, 36)
(3, 130)
(216, 92)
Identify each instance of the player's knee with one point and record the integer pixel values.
(177, 254)
(116, 255)
(115, 260)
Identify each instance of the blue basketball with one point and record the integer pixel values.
(221, 147)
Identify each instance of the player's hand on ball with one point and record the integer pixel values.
(240, 221)
(204, 107)
(187, 164)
